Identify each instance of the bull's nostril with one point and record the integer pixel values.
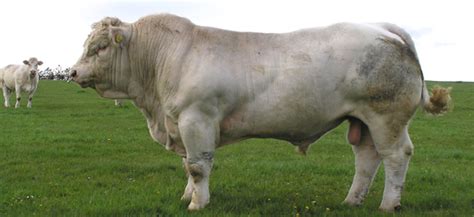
(73, 73)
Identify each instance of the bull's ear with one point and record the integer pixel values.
(40, 63)
(119, 35)
(26, 62)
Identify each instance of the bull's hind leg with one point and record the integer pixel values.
(199, 134)
(395, 147)
(367, 161)
(18, 96)
(6, 96)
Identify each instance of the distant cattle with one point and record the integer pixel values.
(20, 78)
(201, 88)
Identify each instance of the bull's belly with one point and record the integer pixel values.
(296, 130)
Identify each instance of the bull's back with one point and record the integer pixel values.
(290, 84)
(307, 83)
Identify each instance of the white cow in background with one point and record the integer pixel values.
(20, 78)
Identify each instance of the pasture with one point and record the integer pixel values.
(76, 154)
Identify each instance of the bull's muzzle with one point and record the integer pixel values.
(32, 73)
(83, 81)
(73, 73)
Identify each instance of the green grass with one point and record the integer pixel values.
(75, 154)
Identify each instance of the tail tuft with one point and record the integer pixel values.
(439, 102)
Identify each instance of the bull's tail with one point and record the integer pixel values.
(440, 100)
(438, 103)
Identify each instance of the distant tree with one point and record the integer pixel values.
(57, 73)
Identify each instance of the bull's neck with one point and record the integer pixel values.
(155, 60)
(156, 53)
(119, 77)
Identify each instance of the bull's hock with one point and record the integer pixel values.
(200, 88)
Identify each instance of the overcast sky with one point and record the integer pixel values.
(54, 31)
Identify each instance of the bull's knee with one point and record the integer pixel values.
(200, 167)
(196, 171)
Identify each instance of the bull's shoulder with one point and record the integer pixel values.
(168, 22)
(164, 17)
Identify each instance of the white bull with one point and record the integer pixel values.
(200, 88)
(20, 78)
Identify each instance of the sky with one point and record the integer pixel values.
(54, 31)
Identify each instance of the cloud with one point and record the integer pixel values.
(417, 33)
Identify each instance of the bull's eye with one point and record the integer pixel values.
(104, 44)
(99, 49)
(95, 48)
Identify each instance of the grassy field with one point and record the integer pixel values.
(75, 154)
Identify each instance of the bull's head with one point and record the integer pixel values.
(33, 64)
(104, 58)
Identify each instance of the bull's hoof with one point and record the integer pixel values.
(195, 207)
(352, 202)
(396, 208)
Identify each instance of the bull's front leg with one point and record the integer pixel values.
(30, 98)
(188, 191)
(199, 134)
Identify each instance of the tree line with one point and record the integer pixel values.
(58, 73)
